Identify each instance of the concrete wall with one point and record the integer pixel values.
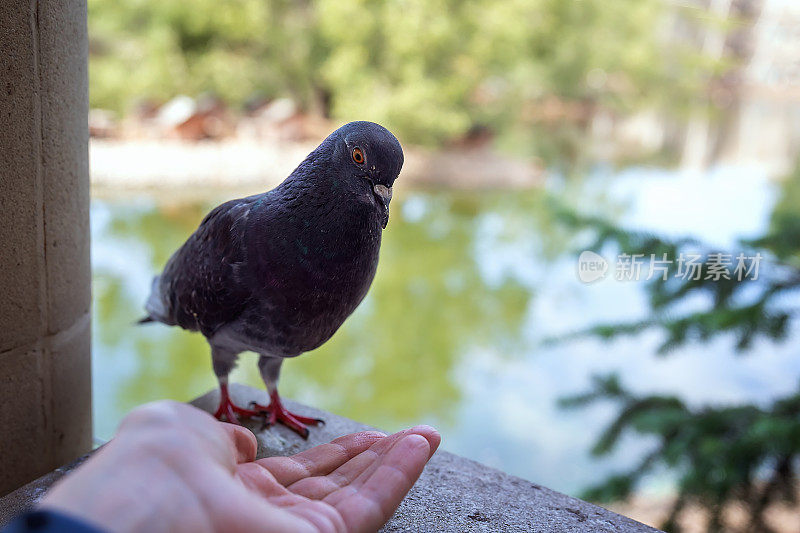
(45, 371)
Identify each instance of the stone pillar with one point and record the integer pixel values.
(45, 279)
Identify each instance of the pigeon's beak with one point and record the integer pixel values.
(385, 194)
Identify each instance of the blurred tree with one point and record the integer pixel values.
(428, 70)
(738, 454)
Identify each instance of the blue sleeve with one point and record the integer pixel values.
(44, 521)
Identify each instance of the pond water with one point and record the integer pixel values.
(468, 286)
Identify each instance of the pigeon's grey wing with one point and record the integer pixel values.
(200, 288)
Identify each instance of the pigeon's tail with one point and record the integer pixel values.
(155, 307)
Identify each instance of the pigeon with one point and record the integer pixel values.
(278, 273)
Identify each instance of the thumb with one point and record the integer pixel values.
(243, 441)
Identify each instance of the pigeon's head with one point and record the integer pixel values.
(371, 157)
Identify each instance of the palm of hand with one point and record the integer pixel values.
(351, 484)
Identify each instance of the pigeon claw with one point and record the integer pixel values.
(276, 413)
(229, 410)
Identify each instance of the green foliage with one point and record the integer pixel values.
(428, 70)
(742, 454)
(234, 48)
(728, 309)
(783, 235)
(721, 453)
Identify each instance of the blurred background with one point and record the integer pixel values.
(533, 130)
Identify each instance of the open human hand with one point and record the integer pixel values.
(172, 467)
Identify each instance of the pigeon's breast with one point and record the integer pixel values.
(312, 278)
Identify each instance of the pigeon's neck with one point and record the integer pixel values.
(311, 175)
(319, 179)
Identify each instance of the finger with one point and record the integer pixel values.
(319, 487)
(353, 474)
(244, 442)
(430, 434)
(319, 460)
(370, 505)
(359, 473)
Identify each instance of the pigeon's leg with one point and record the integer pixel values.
(224, 361)
(275, 412)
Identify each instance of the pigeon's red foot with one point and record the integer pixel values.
(228, 409)
(275, 413)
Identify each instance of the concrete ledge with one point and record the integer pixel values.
(453, 494)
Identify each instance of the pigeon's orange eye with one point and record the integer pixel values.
(358, 155)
